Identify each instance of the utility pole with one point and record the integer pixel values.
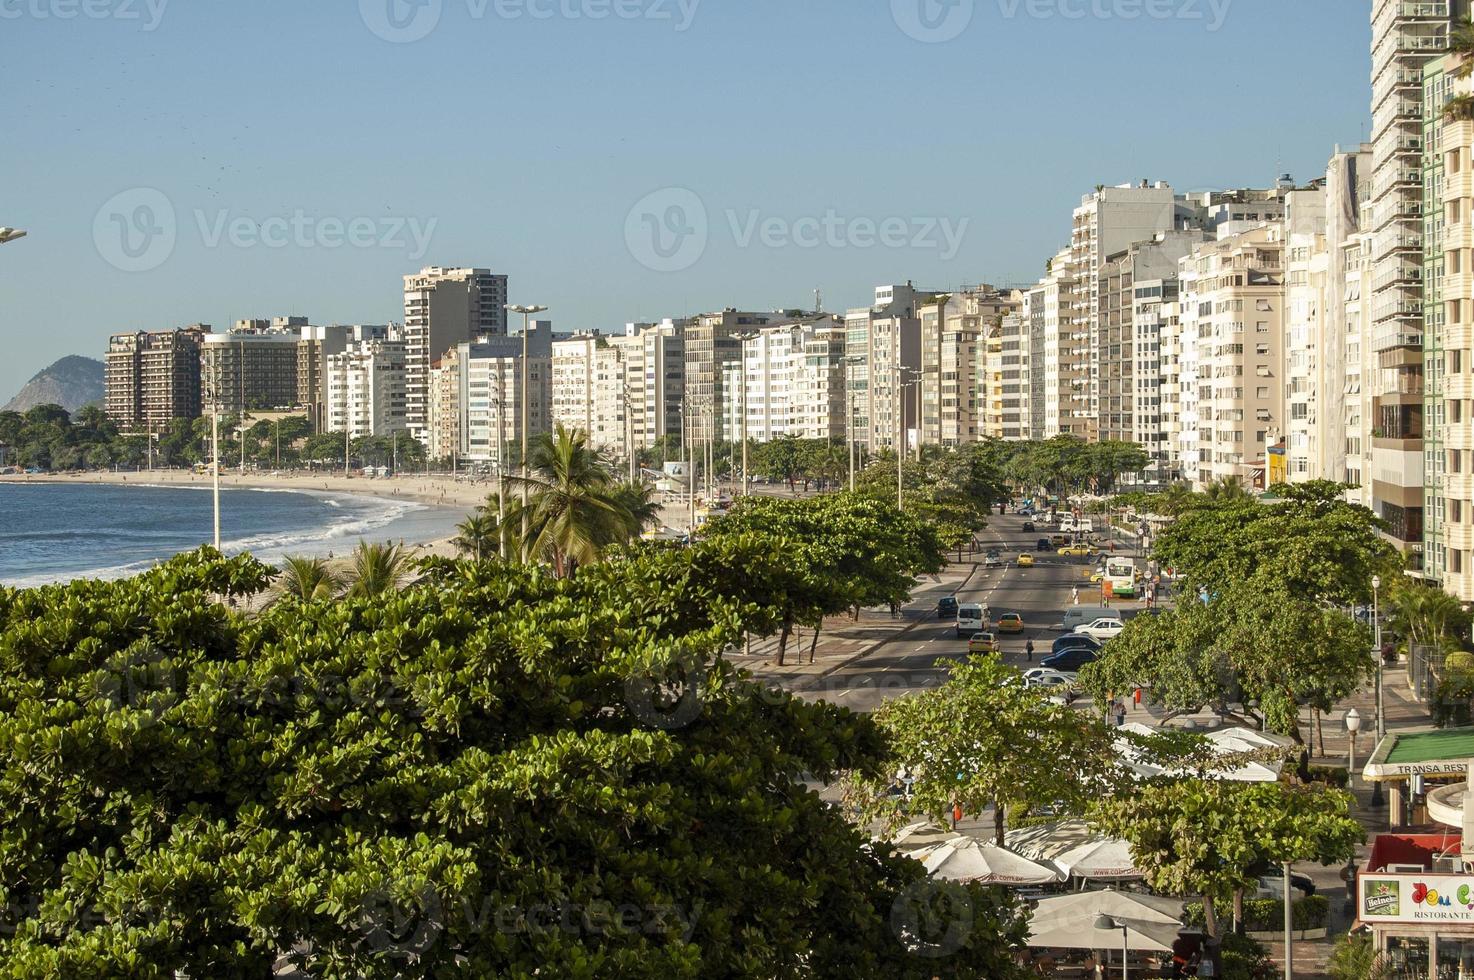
(526, 312)
(214, 383)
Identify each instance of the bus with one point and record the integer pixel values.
(1120, 577)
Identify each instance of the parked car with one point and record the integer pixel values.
(983, 643)
(1010, 623)
(1045, 677)
(1029, 527)
(1045, 545)
(947, 607)
(1102, 629)
(1026, 560)
(1073, 641)
(1026, 512)
(1070, 661)
(1272, 885)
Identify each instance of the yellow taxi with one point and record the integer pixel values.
(1010, 623)
(1077, 551)
(1026, 560)
(983, 643)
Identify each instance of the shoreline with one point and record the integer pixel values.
(436, 493)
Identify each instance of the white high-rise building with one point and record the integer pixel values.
(883, 353)
(1307, 306)
(444, 308)
(789, 381)
(1013, 375)
(590, 389)
(365, 389)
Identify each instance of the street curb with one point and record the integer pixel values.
(867, 651)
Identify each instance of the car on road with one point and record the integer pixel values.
(1045, 545)
(1044, 677)
(1026, 560)
(983, 643)
(1029, 527)
(1102, 629)
(993, 559)
(947, 607)
(1070, 661)
(1026, 512)
(1059, 539)
(1010, 623)
(1074, 641)
(1077, 551)
(1097, 576)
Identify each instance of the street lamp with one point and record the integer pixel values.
(526, 312)
(1353, 725)
(10, 234)
(1109, 924)
(1381, 729)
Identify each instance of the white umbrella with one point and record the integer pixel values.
(1075, 849)
(921, 834)
(970, 859)
(1223, 742)
(1068, 921)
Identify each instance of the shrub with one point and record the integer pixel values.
(1268, 914)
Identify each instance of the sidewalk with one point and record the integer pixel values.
(843, 640)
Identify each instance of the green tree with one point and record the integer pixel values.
(377, 569)
(472, 778)
(479, 535)
(572, 514)
(983, 740)
(1206, 836)
(306, 579)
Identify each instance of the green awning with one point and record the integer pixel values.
(1422, 752)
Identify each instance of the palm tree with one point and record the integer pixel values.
(1461, 43)
(1460, 108)
(480, 535)
(572, 514)
(306, 579)
(377, 569)
(1227, 490)
(638, 505)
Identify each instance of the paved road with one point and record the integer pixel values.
(1039, 594)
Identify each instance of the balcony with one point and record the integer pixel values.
(1401, 309)
(1459, 185)
(1400, 243)
(1404, 274)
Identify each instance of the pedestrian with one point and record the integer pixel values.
(1120, 707)
(1029, 651)
(1075, 596)
(956, 815)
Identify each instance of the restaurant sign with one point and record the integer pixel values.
(1415, 898)
(1396, 769)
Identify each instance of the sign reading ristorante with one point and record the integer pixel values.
(1415, 898)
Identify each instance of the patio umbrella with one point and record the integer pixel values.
(1068, 921)
(970, 859)
(1077, 851)
(918, 835)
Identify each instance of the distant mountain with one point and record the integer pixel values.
(71, 383)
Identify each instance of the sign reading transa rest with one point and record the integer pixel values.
(1415, 898)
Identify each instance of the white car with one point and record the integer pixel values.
(1044, 677)
(1102, 629)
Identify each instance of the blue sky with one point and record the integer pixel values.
(206, 160)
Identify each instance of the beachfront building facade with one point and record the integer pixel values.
(591, 391)
(442, 309)
(491, 398)
(152, 378)
(254, 369)
(656, 373)
(883, 355)
(365, 389)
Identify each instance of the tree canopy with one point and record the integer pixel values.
(489, 773)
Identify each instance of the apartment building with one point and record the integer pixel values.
(492, 400)
(1359, 364)
(788, 381)
(1014, 382)
(711, 340)
(590, 389)
(150, 379)
(365, 389)
(657, 379)
(254, 368)
(1446, 408)
(1405, 37)
(442, 309)
(1060, 351)
(1232, 348)
(1307, 305)
(953, 369)
(883, 354)
(1169, 315)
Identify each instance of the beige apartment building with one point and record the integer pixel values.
(150, 379)
(1233, 324)
(442, 309)
(883, 365)
(789, 381)
(1060, 351)
(590, 389)
(1014, 383)
(255, 369)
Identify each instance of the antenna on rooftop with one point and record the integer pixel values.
(818, 301)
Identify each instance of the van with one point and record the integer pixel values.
(1067, 525)
(1077, 616)
(1085, 526)
(972, 618)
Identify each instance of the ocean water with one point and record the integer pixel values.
(55, 532)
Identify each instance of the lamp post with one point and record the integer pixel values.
(1353, 725)
(1377, 643)
(1109, 924)
(1289, 928)
(526, 312)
